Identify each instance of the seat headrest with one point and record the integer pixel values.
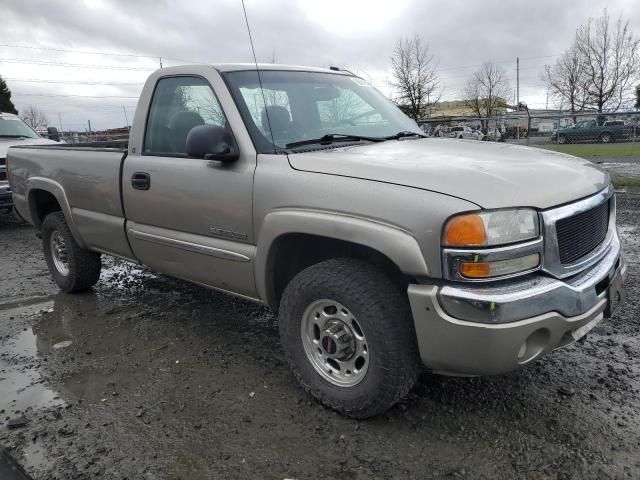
(179, 127)
(277, 118)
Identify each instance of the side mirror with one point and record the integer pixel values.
(212, 142)
(52, 133)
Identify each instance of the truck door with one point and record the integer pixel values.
(188, 217)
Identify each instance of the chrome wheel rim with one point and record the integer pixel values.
(606, 139)
(334, 343)
(59, 253)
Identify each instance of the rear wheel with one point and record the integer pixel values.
(605, 138)
(349, 338)
(73, 268)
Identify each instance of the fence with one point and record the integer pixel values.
(97, 139)
(540, 128)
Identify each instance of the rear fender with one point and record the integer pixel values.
(55, 189)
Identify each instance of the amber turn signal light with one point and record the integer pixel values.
(475, 270)
(465, 230)
(499, 267)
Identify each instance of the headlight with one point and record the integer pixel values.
(498, 227)
(487, 245)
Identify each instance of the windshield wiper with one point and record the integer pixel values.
(334, 137)
(13, 136)
(404, 134)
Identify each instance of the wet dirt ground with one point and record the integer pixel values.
(147, 377)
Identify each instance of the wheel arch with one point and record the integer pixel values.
(292, 240)
(45, 196)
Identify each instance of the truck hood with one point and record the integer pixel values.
(491, 175)
(5, 143)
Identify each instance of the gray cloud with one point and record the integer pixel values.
(358, 35)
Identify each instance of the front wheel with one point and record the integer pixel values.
(73, 268)
(605, 138)
(562, 139)
(348, 334)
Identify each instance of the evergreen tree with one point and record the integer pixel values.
(6, 105)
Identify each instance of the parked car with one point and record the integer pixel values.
(441, 131)
(590, 131)
(13, 131)
(464, 132)
(379, 249)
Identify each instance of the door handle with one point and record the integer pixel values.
(141, 181)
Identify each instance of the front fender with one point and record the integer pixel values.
(395, 243)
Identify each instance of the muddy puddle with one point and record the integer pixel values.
(23, 387)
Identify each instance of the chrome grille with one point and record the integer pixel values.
(582, 233)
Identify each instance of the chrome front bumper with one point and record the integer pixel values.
(489, 329)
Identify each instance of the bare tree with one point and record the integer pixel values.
(610, 57)
(34, 118)
(415, 76)
(487, 90)
(566, 80)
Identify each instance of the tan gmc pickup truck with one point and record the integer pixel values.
(306, 190)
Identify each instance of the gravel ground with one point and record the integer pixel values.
(147, 377)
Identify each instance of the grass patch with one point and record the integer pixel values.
(626, 182)
(630, 149)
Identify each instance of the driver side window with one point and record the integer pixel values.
(178, 105)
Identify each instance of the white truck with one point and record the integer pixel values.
(13, 131)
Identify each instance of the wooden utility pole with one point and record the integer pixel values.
(518, 95)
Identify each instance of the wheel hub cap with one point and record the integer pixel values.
(59, 253)
(334, 343)
(338, 341)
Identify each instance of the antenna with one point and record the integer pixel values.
(255, 60)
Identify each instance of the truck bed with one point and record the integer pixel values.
(86, 182)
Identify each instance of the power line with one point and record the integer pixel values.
(70, 82)
(87, 52)
(70, 95)
(74, 65)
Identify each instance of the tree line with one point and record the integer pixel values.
(596, 73)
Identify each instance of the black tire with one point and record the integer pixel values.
(384, 314)
(606, 138)
(83, 266)
(562, 139)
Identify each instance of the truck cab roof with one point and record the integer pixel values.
(238, 67)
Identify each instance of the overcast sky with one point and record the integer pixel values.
(356, 34)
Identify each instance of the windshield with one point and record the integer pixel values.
(299, 106)
(13, 127)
